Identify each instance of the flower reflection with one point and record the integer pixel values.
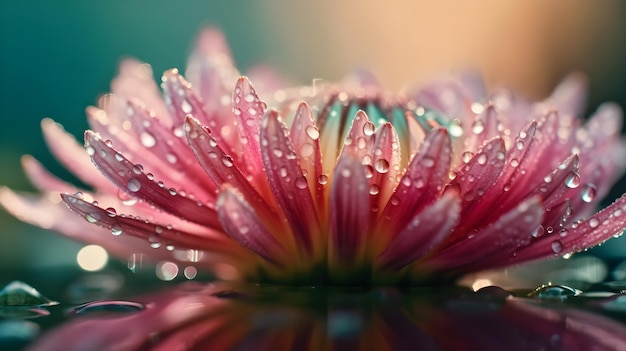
(216, 317)
(334, 184)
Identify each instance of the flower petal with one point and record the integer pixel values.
(423, 232)
(422, 182)
(222, 169)
(305, 138)
(243, 225)
(503, 237)
(131, 179)
(349, 211)
(157, 234)
(249, 110)
(289, 186)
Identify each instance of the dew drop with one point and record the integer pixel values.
(20, 294)
(368, 128)
(147, 139)
(374, 189)
(134, 185)
(185, 106)
(588, 193)
(116, 229)
(467, 156)
(428, 162)
(519, 145)
(478, 127)
(514, 162)
(306, 150)
(554, 292)
(108, 308)
(557, 246)
(538, 232)
(92, 217)
(312, 132)
(381, 165)
(593, 223)
(572, 180)
(111, 212)
(227, 161)
(406, 181)
(482, 159)
(322, 179)
(455, 129)
(90, 150)
(547, 179)
(301, 182)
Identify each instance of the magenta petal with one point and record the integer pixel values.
(131, 179)
(181, 100)
(558, 182)
(243, 225)
(156, 234)
(424, 231)
(349, 211)
(503, 237)
(289, 185)
(422, 182)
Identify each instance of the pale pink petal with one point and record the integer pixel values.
(72, 155)
(266, 79)
(289, 186)
(570, 96)
(424, 231)
(131, 179)
(136, 81)
(485, 127)
(42, 179)
(243, 225)
(49, 212)
(349, 211)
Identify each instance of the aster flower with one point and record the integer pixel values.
(201, 317)
(340, 184)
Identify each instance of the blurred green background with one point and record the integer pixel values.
(58, 57)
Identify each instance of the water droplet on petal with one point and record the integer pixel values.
(554, 292)
(116, 229)
(557, 246)
(368, 128)
(227, 161)
(134, 185)
(374, 189)
(312, 132)
(593, 223)
(147, 140)
(572, 180)
(588, 193)
(301, 182)
(381, 165)
(482, 159)
(467, 156)
(322, 179)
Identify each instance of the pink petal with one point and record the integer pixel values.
(136, 81)
(180, 99)
(243, 225)
(422, 182)
(249, 110)
(558, 182)
(423, 232)
(222, 169)
(593, 231)
(485, 126)
(305, 138)
(349, 211)
(49, 212)
(570, 95)
(476, 177)
(72, 155)
(503, 237)
(159, 235)
(42, 179)
(131, 179)
(289, 186)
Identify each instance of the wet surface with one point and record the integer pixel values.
(119, 309)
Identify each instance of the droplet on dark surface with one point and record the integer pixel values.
(20, 294)
(108, 308)
(554, 292)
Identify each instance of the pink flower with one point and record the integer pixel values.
(340, 184)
